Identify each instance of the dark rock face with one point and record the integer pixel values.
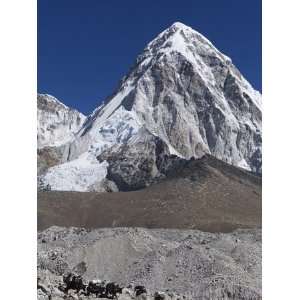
(256, 160)
(146, 159)
(48, 157)
(138, 163)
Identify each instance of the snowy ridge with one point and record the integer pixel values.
(52, 99)
(177, 27)
(57, 123)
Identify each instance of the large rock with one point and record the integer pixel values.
(137, 163)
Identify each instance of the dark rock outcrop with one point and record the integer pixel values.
(142, 161)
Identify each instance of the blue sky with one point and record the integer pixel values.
(86, 46)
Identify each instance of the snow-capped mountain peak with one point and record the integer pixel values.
(181, 38)
(189, 95)
(181, 72)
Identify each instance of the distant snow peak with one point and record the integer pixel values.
(57, 123)
(49, 98)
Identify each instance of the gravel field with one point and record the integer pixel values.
(176, 263)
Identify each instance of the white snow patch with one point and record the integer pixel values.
(117, 129)
(173, 151)
(76, 175)
(113, 104)
(244, 165)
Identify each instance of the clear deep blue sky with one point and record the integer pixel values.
(86, 46)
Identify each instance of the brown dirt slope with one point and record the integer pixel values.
(205, 194)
